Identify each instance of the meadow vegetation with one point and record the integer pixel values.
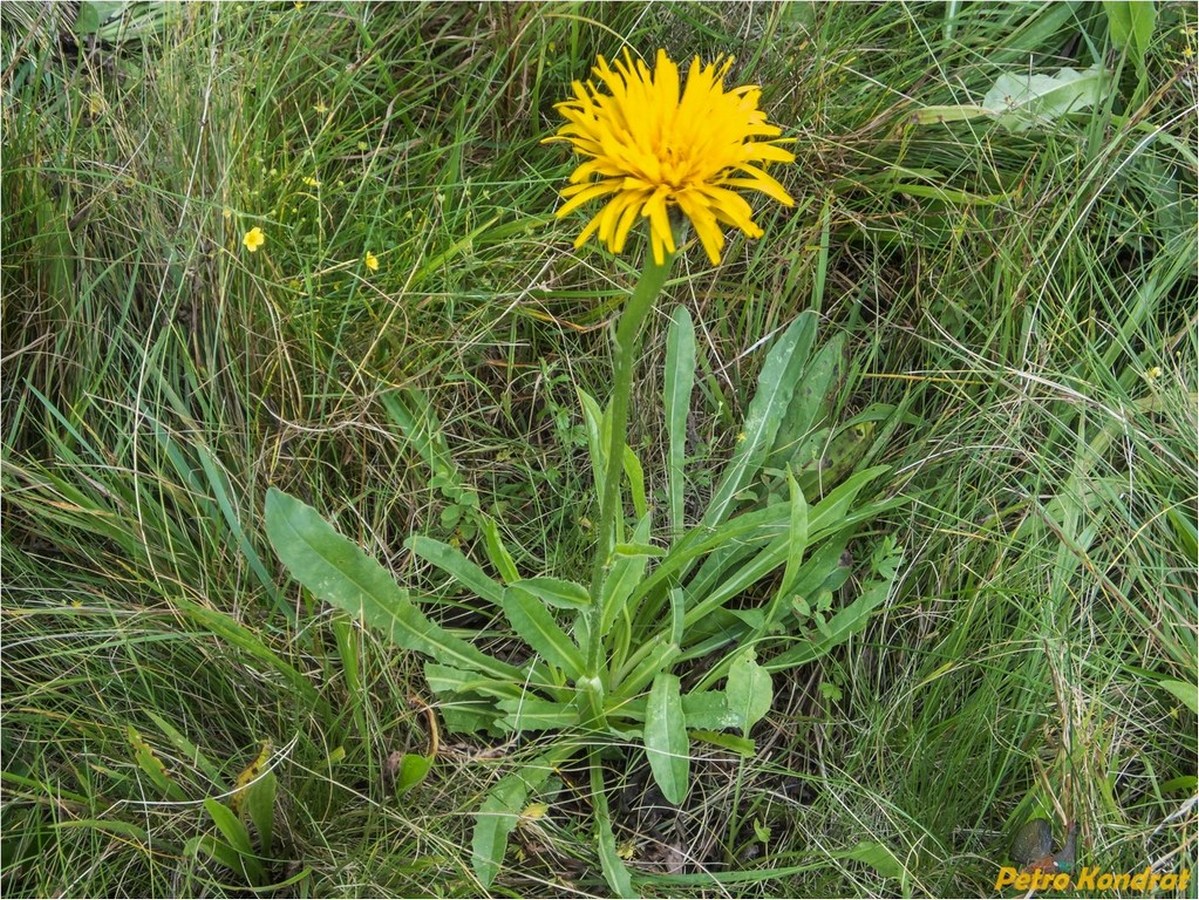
(1014, 293)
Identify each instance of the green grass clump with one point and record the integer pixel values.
(1025, 298)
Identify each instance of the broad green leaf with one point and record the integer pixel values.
(189, 750)
(1185, 691)
(235, 834)
(679, 381)
(811, 402)
(839, 458)
(497, 552)
(556, 592)
(797, 534)
(666, 743)
(260, 804)
(474, 717)
(337, 571)
(776, 384)
(413, 769)
(749, 690)
(219, 851)
(117, 827)
(708, 710)
(1020, 101)
(876, 855)
(446, 680)
(411, 410)
(534, 623)
(1131, 25)
(499, 813)
(532, 714)
(678, 608)
(222, 490)
(454, 564)
(750, 526)
(246, 639)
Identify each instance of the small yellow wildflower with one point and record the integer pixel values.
(320, 107)
(254, 239)
(311, 182)
(653, 146)
(1153, 373)
(372, 261)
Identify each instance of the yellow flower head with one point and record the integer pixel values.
(652, 147)
(372, 261)
(254, 238)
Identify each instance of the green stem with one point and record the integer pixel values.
(628, 342)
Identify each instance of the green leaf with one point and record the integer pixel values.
(666, 742)
(556, 592)
(810, 402)
(338, 572)
(636, 476)
(876, 855)
(797, 534)
(749, 690)
(679, 381)
(837, 630)
(534, 623)
(1131, 25)
(637, 550)
(622, 578)
(260, 804)
(454, 564)
(740, 745)
(499, 813)
(532, 714)
(616, 873)
(234, 832)
(446, 680)
(1187, 692)
(776, 384)
(497, 552)
(152, 767)
(593, 422)
(1020, 101)
(657, 659)
(413, 769)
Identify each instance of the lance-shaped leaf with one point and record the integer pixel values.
(666, 743)
(499, 813)
(336, 570)
(776, 384)
(679, 380)
(453, 563)
(534, 623)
